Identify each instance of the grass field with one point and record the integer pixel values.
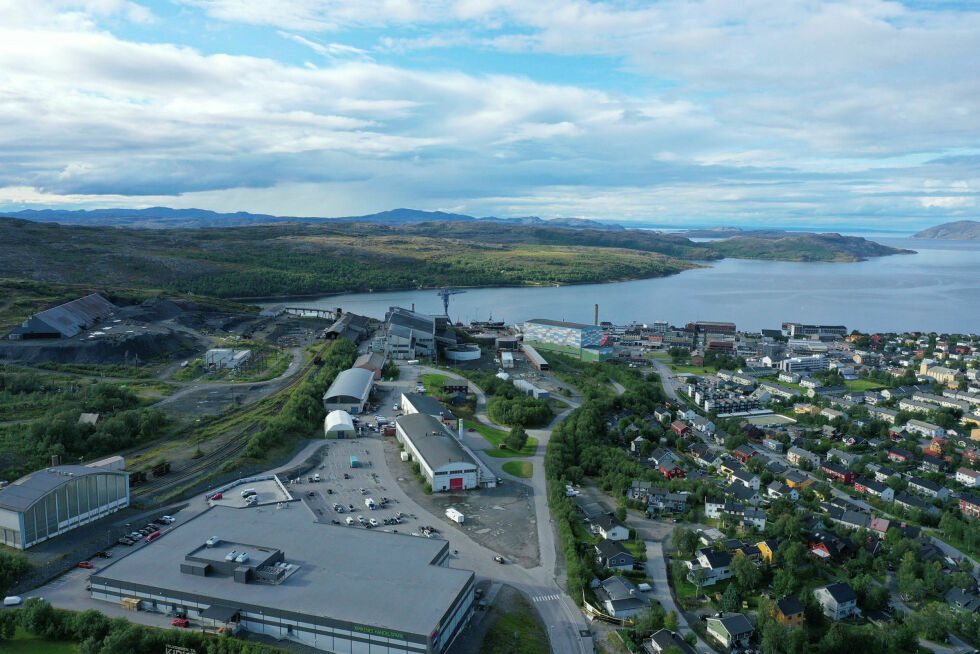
(497, 436)
(519, 468)
(516, 631)
(857, 385)
(24, 643)
(695, 370)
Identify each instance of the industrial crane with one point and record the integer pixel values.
(444, 293)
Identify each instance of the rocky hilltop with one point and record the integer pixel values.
(961, 230)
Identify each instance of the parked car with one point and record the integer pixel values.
(499, 559)
(125, 541)
(180, 622)
(152, 537)
(104, 555)
(373, 522)
(217, 496)
(86, 564)
(311, 494)
(169, 519)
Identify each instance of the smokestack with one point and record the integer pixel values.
(595, 317)
(55, 460)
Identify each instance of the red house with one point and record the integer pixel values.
(898, 455)
(680, 428)
(971, 455)
(671, 472)
(970, 505)
(837, 473)
(745, 452)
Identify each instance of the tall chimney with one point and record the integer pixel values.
(595, 317)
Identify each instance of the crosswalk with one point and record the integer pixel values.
(545, 598)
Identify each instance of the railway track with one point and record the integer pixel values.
(231, 447)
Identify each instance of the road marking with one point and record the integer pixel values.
(545, 598)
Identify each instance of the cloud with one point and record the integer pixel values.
(330, 50)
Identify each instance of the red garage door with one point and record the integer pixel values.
(455, 483)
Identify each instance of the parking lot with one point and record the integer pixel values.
(342, 491)
(267, 492)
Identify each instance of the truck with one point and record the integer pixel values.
(369, 503)
(316, 477)
(412, 362)
(454, 515)
(354, 463)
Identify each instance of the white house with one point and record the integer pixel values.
(839, 601)
(968, 477)
(610, 528)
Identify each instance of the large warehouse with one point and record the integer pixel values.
(349, 391)
(65, 320)
(445, 462)
(581, 341)
(55, 500)
(282, 574)
(339, 424)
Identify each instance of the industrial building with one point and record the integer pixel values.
(409, 335)
(584, 342)
(446, 463)
(278, 572)
(339, 424)
(530, 389)
(415, 403)
(373, 361)
(65, 320)
(534, 358)
(349, 391)
(52, 501)
(351, 326)
(799, 330)
(226, 358)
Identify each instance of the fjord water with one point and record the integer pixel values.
(936, 289)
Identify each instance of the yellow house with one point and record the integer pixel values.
(970, 419)
(726, 468)
(806, 408)
(767, 550)
(798, 480)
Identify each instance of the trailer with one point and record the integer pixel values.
(354, 463)
(454, 515)
(137, 477)
(161, 469)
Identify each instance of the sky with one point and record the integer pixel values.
(849, 115)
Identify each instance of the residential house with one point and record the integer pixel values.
(959, 599)
(662, 415)
(714, 508)
(882, 474)
(912, 503)
(640, 490)
(620, 598)
(773, 444)
(798, 480)
(636, 445)
(715, 563)
(838, 600)
(754, 518)
(745, 494)
(876, 488)
(665, 640)
(844, 458)
(927, 429)
(850, 519)
(970, 505)
(837, 473)
(796, 454)
(767, 550)
(610, 528)
(729, 467)
(932, 464)
(928, 488)
(680, 428)
(745, 452)
(746, 478)
(789, 612)
(664, 457)
(778, 490)
(613, 555)
(881, 413)
(703, 424)
(730, 630)
(898, 455)
(831, 414)
(828, 545)
(670, 502)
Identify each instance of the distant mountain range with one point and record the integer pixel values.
(726, 232)
(167, 218)
(963, 230)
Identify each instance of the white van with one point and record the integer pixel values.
(249, 492)
(12, 600)
(350, 521)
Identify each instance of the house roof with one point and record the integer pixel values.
(607, 522)
(433, 441)
(664, 639)
(608, 548)
(841, 592)
(352, 383)
(790, 605)
(735, 624)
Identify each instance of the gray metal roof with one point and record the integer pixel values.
(428, 405)
(21, 494)
(353, 383)
(71, 317)
(412, 320)
(370, 360)
(432, 440)
(364, 577)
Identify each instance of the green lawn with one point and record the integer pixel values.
(24, 643)
(519, 468)
(496, 438)
(862, 385)
(520, 621)
(433, 382)
(696, 370)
